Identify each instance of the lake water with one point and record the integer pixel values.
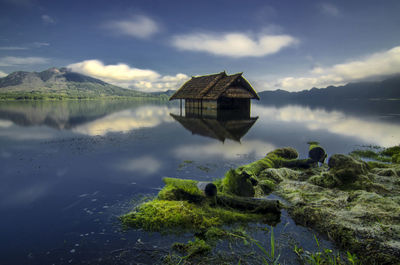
(69, 169)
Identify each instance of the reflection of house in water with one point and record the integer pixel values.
(216, 106)
(217, 128)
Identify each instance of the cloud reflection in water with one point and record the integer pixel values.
(34, 133)
(371, 131)
(227, 150)
(23, 195)
(127, 120)
(145, 165)
(5, 123)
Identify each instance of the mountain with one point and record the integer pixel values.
(59, 83)
(373, 99)
(386, 89)
(167, 93)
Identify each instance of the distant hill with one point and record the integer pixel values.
(59, 83)
(167, 93)
(385, 89)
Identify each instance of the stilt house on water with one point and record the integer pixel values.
(216, 92)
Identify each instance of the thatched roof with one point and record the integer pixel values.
(217, 129)
(211, 87)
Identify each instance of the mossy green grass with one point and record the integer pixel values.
(353, 202)
(182, 216)
(181, 206)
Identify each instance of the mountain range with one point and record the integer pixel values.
(376, 98)
(388, 88)
(59, 83)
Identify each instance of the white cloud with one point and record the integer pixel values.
(145, 165)
(233, 44)
(120, 71)
(227, 150)
(13, 61)
(377, 64)
(329, 9)
(40, 44)
(27, 47)
(139, 27)
(48, 20)
(2, 74)
(12, 48)
(125, 76)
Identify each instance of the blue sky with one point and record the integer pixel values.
(155, 45)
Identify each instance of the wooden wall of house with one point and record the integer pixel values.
(196, 104)
(221, 103)
(213, 108)
(234, 103)
(210, 104)
(197, 108)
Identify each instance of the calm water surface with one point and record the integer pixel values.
(69, 169)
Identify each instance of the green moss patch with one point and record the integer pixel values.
(163, 215)
(180, 205)
(391, 154)
(391, 151)
(192, 248)
(325, 180)
(180, 189)
(236, 183)
(396, 158)
(355, 203)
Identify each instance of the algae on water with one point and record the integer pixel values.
(391, 154)
(355, 205)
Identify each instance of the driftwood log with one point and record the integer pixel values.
(298, 163)
(282, 157)
(208, 188)
(207, 192)
(249, 204)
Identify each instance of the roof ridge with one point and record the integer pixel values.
(199, 76)
(212, 83)
(230, 82)
(252, 89)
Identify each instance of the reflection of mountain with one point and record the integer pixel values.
(60, 114)
(226, 126)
